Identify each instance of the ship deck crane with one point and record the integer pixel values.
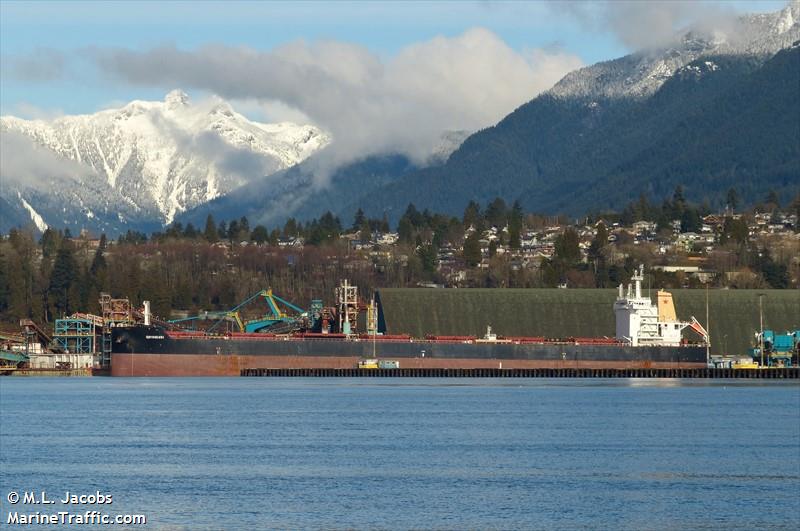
(275, 317)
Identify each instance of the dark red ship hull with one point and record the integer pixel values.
(213, 365)
(151, 351)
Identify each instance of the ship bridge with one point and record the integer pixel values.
(640, 322)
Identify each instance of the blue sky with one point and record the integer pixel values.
(60, 36)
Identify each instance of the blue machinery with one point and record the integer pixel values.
(779, 349)
(276, 318)
(75, 335)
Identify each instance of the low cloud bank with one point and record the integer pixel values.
(369, 104)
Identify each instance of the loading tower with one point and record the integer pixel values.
(347, 303)
(116, 312)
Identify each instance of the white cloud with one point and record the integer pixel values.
(651, 24)
(270, 111)
(29, 111)
(33, 166)
(369, 104)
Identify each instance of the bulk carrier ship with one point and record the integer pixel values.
(647, 335)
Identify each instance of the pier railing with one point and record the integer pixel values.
(781, 373)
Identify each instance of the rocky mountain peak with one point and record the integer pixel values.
(148, 159)
(176, 98)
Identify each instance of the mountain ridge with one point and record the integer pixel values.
(710, 111)
(575, 156)
(554, 151)
(150, 160)
(560, 152)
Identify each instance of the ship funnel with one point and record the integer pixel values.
(666, 308)
(147, 313)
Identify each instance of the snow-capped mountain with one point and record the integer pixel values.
(143, 163)
(708, 114)
(448, 143)
(642, 73)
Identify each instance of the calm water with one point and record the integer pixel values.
(410, 453)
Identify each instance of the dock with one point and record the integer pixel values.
(772, 373)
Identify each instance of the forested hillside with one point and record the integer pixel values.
(721, 122)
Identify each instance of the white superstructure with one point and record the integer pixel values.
(640, 322)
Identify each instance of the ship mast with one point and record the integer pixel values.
(372, 321)
(708, 330)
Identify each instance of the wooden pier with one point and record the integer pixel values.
(778, 373)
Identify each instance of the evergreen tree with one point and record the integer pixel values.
(358, 220)
(210, 232)
(175, 230)
(189, 232)
(98, 266)
(26, 290)
(20, 287)
(664, 220)
(157, 291)
(97, 277)
(233, 231)
(596, 256)
(413, 216)
(776, 275)
(772, 200)
(405, 230)
(551, 275)
(62, 278)
(472, 216)
(4, 288)
(599, 242)
(365, 231)
(690, 220)
(734, 230)
(496, 214)
(492, 248)
(135, 237)
(515, 226)
(274, 235)
(643, 210)
(50, 242)
(732, 199)
(472, 249)
(567, 249)
(330, 225)
(259, 234)
(677, 195)
(427, 256)
(244, 228)
(678, 204)
(290, 227)
(181, 295)
(326, 229)
(628, 216)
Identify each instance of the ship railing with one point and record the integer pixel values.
(463, 339)
(402, 338)
(449, 341)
